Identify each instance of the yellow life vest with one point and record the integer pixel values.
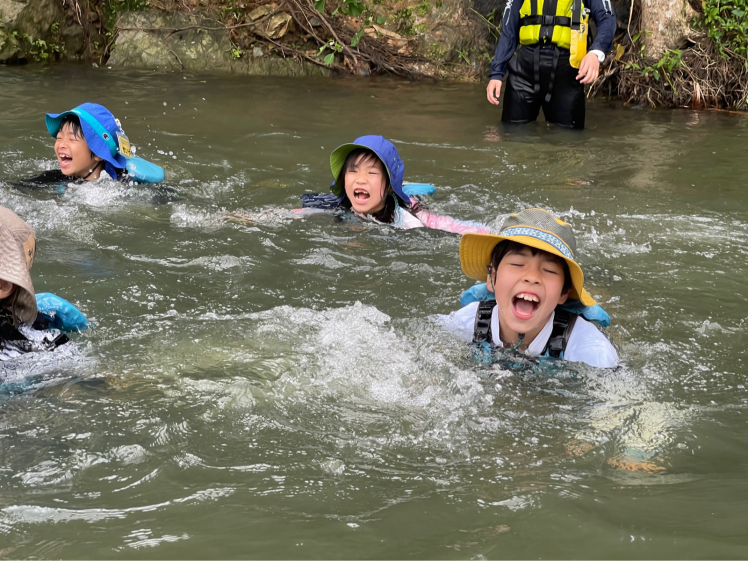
(539, 26)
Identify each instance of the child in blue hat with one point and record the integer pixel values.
(368, 181)
(89, 141)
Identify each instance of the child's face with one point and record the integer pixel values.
(6, 289)
(528, 288)
(73, 153)
(365, 183)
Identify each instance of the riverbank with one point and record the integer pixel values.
(698, 60)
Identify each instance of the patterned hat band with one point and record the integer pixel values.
(541, 235)
(98, 129)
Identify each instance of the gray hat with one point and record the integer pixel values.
(17, 248)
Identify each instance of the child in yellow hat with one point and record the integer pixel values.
(531, 269)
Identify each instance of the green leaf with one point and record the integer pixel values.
(329, 59)
(381, 20)
(319, 5)
(355, 9)
(357, 37)
(656, 74)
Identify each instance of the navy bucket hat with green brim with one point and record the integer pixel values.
(100, 130)
(384, 150)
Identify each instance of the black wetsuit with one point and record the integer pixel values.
(13, 342)
(540, 75)
(56, 180)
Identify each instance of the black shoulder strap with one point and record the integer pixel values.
(563, 323)
(578, 8)
(8, 332)
(482, 329)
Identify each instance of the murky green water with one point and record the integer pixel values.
(283, 391)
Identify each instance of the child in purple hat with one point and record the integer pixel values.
(368, 182)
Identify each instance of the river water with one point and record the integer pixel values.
(282, 389)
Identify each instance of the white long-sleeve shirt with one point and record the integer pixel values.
(586, 343)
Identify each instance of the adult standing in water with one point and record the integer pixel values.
(552, 64)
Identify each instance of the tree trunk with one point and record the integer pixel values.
(668, 22)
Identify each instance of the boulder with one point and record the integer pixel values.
(194, 43)
(38, 30)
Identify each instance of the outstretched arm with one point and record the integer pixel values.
(449, 224)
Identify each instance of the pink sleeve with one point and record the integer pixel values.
(449, 224)
(307, 211)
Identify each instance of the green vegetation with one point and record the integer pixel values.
(663, 68)
(726, 23)
(113, 8)
(403, 19)
(351, 8)
(423, 7)
(332, 46)
(42, 50)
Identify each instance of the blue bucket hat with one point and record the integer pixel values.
(101, 130)
(384, 150)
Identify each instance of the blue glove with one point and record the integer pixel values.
(418, 189)
(476, 293)
(595, 313)
(60, 313)
(590, 313)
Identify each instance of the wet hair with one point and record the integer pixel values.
(8, 307)
(506, 246)
(389, 211)
(74, 123)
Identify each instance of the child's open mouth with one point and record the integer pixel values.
(525, 305)
(65, 160)
(361, 196)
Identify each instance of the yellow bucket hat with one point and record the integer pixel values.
(536, 228)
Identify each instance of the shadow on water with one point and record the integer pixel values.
(282, 388)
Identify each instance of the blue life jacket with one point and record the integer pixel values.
(143, 171)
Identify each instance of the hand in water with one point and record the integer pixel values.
(588, 69)
(492, 91)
